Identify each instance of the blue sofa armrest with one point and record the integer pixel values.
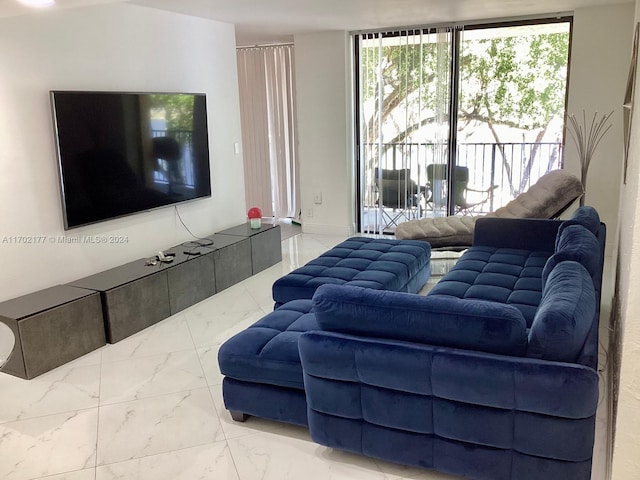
(532, 234)
(565, 316)
(436, 320)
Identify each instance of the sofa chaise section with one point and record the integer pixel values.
(377, 263)
(261, 365)
(263, 374)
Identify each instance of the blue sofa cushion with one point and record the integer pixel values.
(383, 264)
(565, 315)
(578, 244)
(435, 320)
(505, 275)
(586, 216)
(267, 351)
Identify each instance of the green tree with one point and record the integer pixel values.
(505, 81)
(517, 82)
(399, 77)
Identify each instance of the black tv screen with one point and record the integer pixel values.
(122, 153)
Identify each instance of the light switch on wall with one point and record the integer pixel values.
(236, 148)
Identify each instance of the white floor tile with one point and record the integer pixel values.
(48, 445)
(268, 456)
(91, 358)
(399, 472)
(204, 462)
(67, 388)
(209, 362)
(219, 317)
(157, 425)
(145, 377)
(170, 335)
(301, 249)
(259, 286)
(89, 474)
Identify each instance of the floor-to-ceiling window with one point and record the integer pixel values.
(457, 120)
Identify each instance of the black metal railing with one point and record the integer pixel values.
(504, 170)
(513, 167)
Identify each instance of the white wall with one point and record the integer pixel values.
(323, 86)
(626, 461)
(597, 82)
(113, 47)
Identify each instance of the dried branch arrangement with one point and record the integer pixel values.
(587, 137)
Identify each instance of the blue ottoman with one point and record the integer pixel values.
(261, 365)
(262, 369)
(382, 264)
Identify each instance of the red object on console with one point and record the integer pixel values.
(254, 212)
(255, 217)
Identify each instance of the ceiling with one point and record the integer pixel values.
(268, 21)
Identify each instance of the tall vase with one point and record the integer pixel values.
(583, 178)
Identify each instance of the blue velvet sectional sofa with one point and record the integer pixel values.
(263, 374)
(493, 375)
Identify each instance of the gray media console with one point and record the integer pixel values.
(68, 321)
(52, 327)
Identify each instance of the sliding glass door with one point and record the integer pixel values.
(506, 85)
(510, 109)
(403, 118)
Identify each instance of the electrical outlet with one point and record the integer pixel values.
(310, 212)
(317, 198)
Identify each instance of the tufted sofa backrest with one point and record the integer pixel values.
(436, 320)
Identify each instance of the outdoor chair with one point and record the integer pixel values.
(398, 193)
(437, 185)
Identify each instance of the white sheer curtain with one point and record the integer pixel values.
(404, 104)
(442, 108)
(267, 103)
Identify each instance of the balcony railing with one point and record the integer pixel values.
(506, 169)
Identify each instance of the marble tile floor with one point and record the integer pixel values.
(150, 407)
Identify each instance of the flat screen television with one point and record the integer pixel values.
(123, 153)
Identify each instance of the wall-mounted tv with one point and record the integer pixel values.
(123, 153)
